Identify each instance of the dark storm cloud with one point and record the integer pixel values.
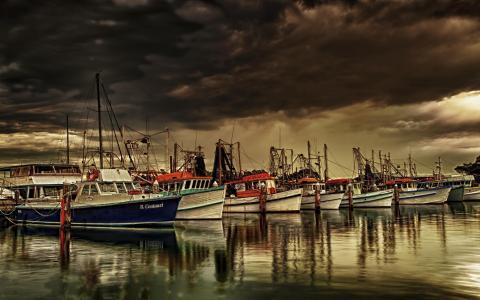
(196, 64)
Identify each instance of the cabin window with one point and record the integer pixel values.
(204, 184)
(121, 187)
(129, 186)
(23, 192)
(31, 192)
(200, 184)
(194, 184)
(93, 189)
(107, 187)
(50, 191)
(187, 184)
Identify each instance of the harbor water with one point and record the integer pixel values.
(421, 252)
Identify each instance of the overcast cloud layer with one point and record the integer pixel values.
(365, 66)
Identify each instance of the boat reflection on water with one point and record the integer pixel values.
(399, 252)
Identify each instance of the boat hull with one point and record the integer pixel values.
(150, 212)
(456, 194)
(471, 194)
(288, 201)
(327, 201)
(427, 196)
(370, 199)
(204, 205)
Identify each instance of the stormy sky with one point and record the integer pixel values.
(398, 76)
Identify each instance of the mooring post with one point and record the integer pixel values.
(350, 196)
(396, 195)
(317, 200)
(263, 199)
(65, 213)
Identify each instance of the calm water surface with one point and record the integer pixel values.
(430, 252)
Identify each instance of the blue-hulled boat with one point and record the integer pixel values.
(112, 200)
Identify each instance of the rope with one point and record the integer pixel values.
(6, 214)
(251, 160)
(56, 209)
(10, 220)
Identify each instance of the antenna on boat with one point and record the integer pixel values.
(325, 175)
(233, 131)
(68, 142)
(99, 106)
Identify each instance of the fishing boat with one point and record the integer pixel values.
(360, 199)
(312, 186)
(108, 199)
(201, 198)
(40, 181)
(412, 192)
(472, 193)
(245, 196)
(459, 184)
(104, 197)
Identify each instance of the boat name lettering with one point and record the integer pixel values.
(151, 206)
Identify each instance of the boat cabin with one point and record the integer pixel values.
(457, 180)
(251, 186)
(40, 181)
(339, 185)
(404, 184)
(311, 185)
(183, 181)
(108, 182)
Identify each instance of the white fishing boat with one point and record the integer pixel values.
(381, 198)
(40, 181)
(310, 187)
(244, 196)
(412, 192)
(201, 199)
(472, 193)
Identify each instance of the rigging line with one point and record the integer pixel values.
(336, 163)
(118, 127)
(420, 163)
(140, 133)
(110, 113)
(261, 165)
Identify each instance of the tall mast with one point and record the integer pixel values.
(100, 140)
(325, 176)
(167, 151)
(309, 159)
(239, 159)
(68, 143)
(410, 171)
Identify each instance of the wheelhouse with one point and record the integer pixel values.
(183, 181)
(339, 185)
(40, 181)
(251, 185)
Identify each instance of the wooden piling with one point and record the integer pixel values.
(65, 212)
(350, 196)
(396, 195)
(317, 200)
(263, 200)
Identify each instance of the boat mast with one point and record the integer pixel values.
(410, 171)
(68, 143)
(325, 176)
(100, 140)
(239, 159)
(309, 159)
